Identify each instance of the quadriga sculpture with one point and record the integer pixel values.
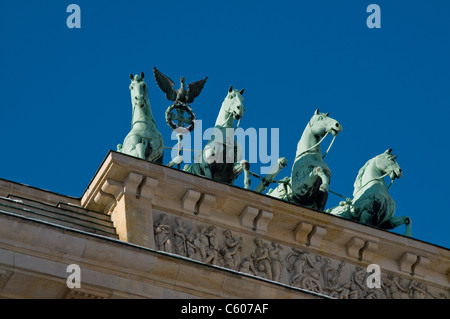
(372, 205)
(144, 140)
(310, 177)
(221, 157)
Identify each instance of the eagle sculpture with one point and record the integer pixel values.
(181, 95)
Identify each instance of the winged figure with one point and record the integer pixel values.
(182, 95)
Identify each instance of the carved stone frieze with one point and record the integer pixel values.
(78, 294)
(277, 262)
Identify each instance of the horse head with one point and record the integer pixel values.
(375, 169)
(139, 90)
(233, 103)
(387, 164)
(322, 124)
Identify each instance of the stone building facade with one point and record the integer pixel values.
(143, 230)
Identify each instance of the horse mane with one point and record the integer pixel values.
(358, 182)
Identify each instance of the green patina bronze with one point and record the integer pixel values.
(220, 159)
(270, 178)
(310, 176)
(179, 115)
(372, 205)
(144, 140)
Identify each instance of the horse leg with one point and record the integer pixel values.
(176, 161)
(397, 221)
(316, 184)
(247, 180)
(138, 146)
(322, 197)
(300, 185)
(238, 168)
(140, 150)
(158, 159)
(156, 150)
(281, 191)
(209, 157)
(319, 196)
(130, 146)
(325, 180)
(246, 166)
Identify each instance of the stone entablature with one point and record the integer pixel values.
(309, 249)
(34, 256)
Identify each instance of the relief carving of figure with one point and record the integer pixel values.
(348, 291)
(393, 287)
(180, 235)
(191, 249)
(297, 265)
(162, 234)
(330, 278)
(261, 259)
(306, 270)
(246, 266)
(201, 242)
(231, 253)
(274, 255)
(417, 290)
(212, 250)
(358, 280)
(397, 288)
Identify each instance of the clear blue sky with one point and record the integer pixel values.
(64, 98)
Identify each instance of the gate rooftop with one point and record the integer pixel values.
(123, 207)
